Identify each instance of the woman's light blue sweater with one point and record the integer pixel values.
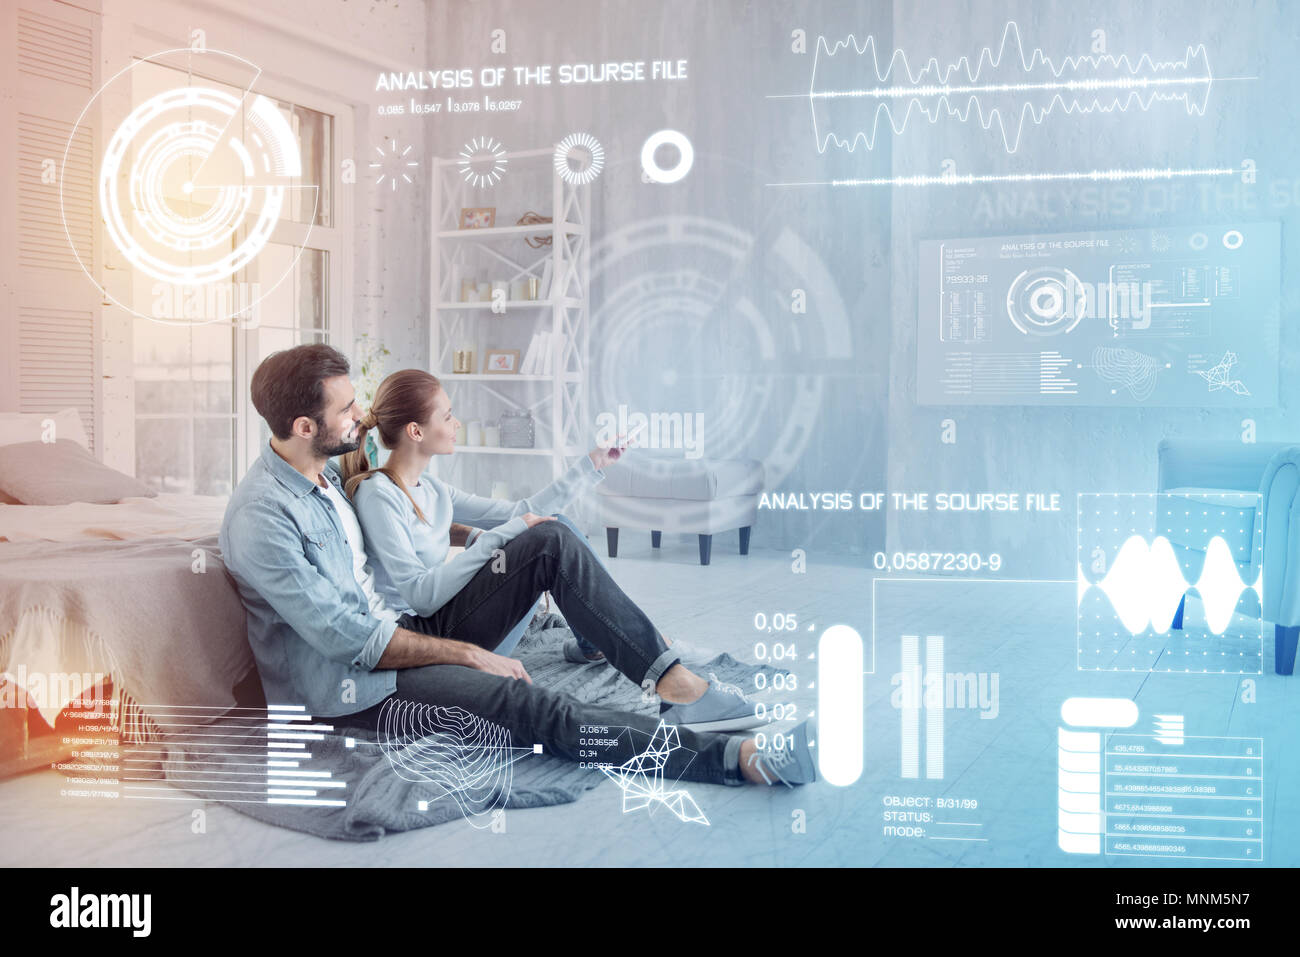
(409, 557)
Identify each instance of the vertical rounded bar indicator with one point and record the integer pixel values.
(1081, 812)
(839, 705)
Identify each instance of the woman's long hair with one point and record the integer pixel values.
(404, 397)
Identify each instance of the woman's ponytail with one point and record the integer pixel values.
(356, 464)
(404, 397)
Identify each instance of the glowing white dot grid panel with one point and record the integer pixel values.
(1143, 555)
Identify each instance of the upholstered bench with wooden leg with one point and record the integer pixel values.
(698, 496)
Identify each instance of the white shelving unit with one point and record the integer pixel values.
(558, 401)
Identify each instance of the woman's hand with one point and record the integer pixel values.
(603, 458)
(483, 660)
(532, 521)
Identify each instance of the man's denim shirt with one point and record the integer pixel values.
(312, 633)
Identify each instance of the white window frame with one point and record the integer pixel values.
(337, 240)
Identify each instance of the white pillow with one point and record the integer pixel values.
(18, 427)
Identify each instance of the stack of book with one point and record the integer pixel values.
(540, 357)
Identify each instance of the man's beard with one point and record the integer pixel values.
(326, 447)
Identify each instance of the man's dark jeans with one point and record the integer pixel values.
(552, 557)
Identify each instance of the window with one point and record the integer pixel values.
(196, 431)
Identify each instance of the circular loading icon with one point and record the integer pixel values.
(579, 158)
(393, 166)
(483, 162)
(193, 183)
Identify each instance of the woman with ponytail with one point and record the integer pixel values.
(410, 522)
(481, 594)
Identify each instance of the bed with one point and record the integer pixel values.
(128, 597)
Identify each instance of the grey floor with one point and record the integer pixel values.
(1004, 768)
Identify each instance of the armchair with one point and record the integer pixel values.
(1272, 470)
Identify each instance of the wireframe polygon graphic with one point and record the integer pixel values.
(465, 757)
(642, 779)
(1219, 376)
(1170, 582)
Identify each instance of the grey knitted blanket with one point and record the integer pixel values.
(379, 801)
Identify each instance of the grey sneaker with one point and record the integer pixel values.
(723, 707)
(793, 764)
(573, 652)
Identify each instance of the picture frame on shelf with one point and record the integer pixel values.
(478, 217)
(501, 362)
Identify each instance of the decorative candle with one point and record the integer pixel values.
(491, 436)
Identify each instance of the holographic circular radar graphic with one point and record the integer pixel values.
(163, 147)
(673, 304)
(1046, 301)
(193, 181)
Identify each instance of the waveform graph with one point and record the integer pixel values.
(1170, 582)
(862, 92)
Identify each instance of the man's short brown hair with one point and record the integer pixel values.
(291, 383)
